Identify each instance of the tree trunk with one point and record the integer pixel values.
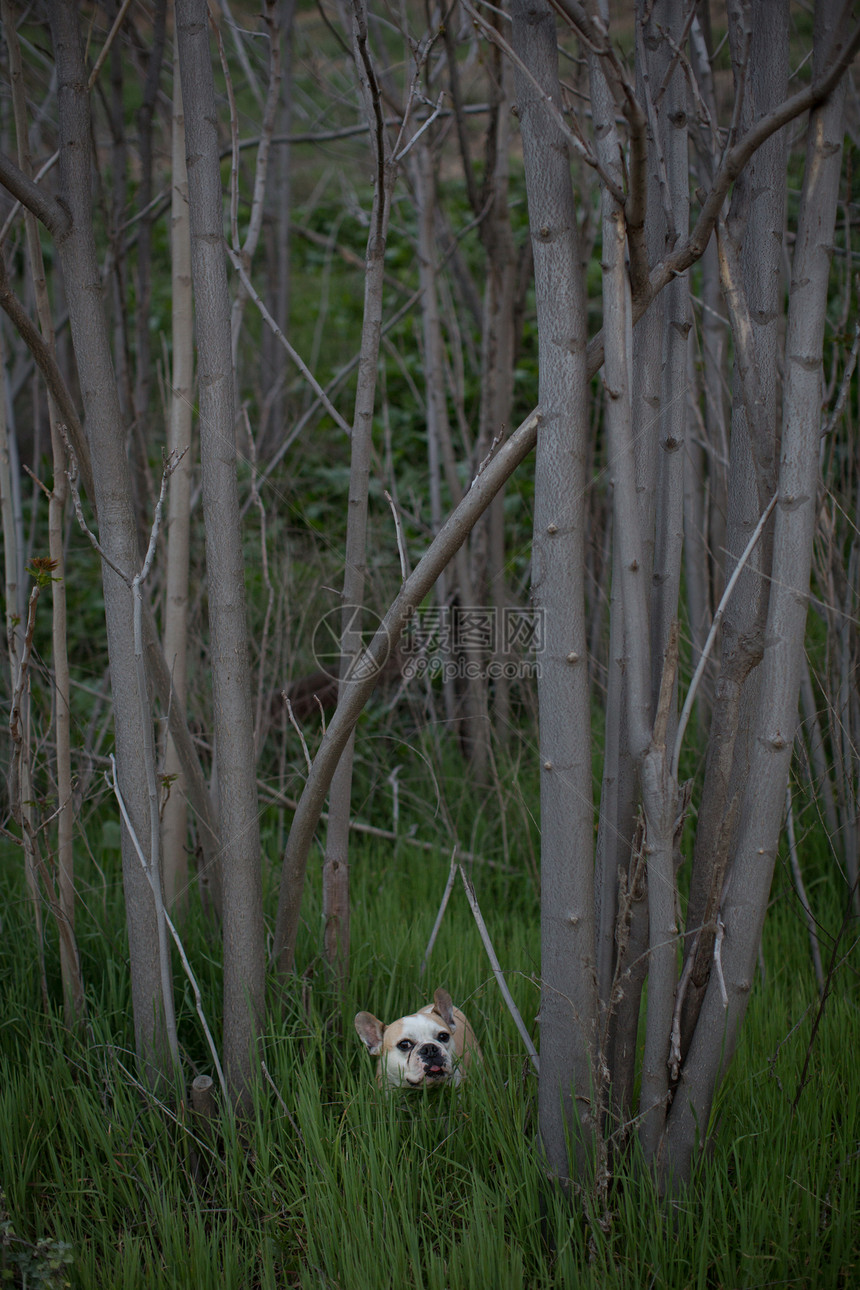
(471, 721)
(667, 107)
(745, 896)
(175, 813)
(70, 971)
(568, 995)
(751, 275)
(117, 526)
(336, 868)
(628, 702)
(233, 714)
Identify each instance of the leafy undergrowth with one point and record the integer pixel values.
(330, 1184)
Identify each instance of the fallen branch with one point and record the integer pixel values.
(497, 972)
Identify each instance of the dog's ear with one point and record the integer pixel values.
(369, 1032)
(443, 1005)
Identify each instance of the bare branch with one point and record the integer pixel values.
(16, 205)
(297, 729)
(106, 48)
(446, 895)
(440, 552)
(53, 377)
(734, 161)
(401, 548)
(72, 474)
(845, 385)
(497, 972)
(712, 634)
(306, 372)
(572, 137)
(55, 219)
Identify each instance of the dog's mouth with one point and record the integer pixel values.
(434, 1073)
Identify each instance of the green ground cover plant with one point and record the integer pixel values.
(331, 1184)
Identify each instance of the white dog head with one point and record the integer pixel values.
(431, 1047)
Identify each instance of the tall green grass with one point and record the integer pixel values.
(332, 1184)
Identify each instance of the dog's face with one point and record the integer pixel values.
(428, 1048)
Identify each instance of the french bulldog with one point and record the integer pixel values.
(429, 1048)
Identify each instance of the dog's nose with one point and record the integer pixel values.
(429, 1050)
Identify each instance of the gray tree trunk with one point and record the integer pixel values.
(117, 527)
(752, 274)
(745, 896)
(667, 94)
(336, 867)
(472, 720)
(568, 994)
(233, 714)
(73, 994)
(175, 812)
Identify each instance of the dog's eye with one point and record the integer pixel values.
(443, 1036)
(405, 1045)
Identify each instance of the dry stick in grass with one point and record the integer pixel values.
(148, 1096)
(497, 971)
(449, 886)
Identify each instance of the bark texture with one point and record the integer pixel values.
(744, 900)
(117, 527)
(568, 993)
(175, 812)
(231, 689)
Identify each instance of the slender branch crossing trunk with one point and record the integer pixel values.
(441, 551)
